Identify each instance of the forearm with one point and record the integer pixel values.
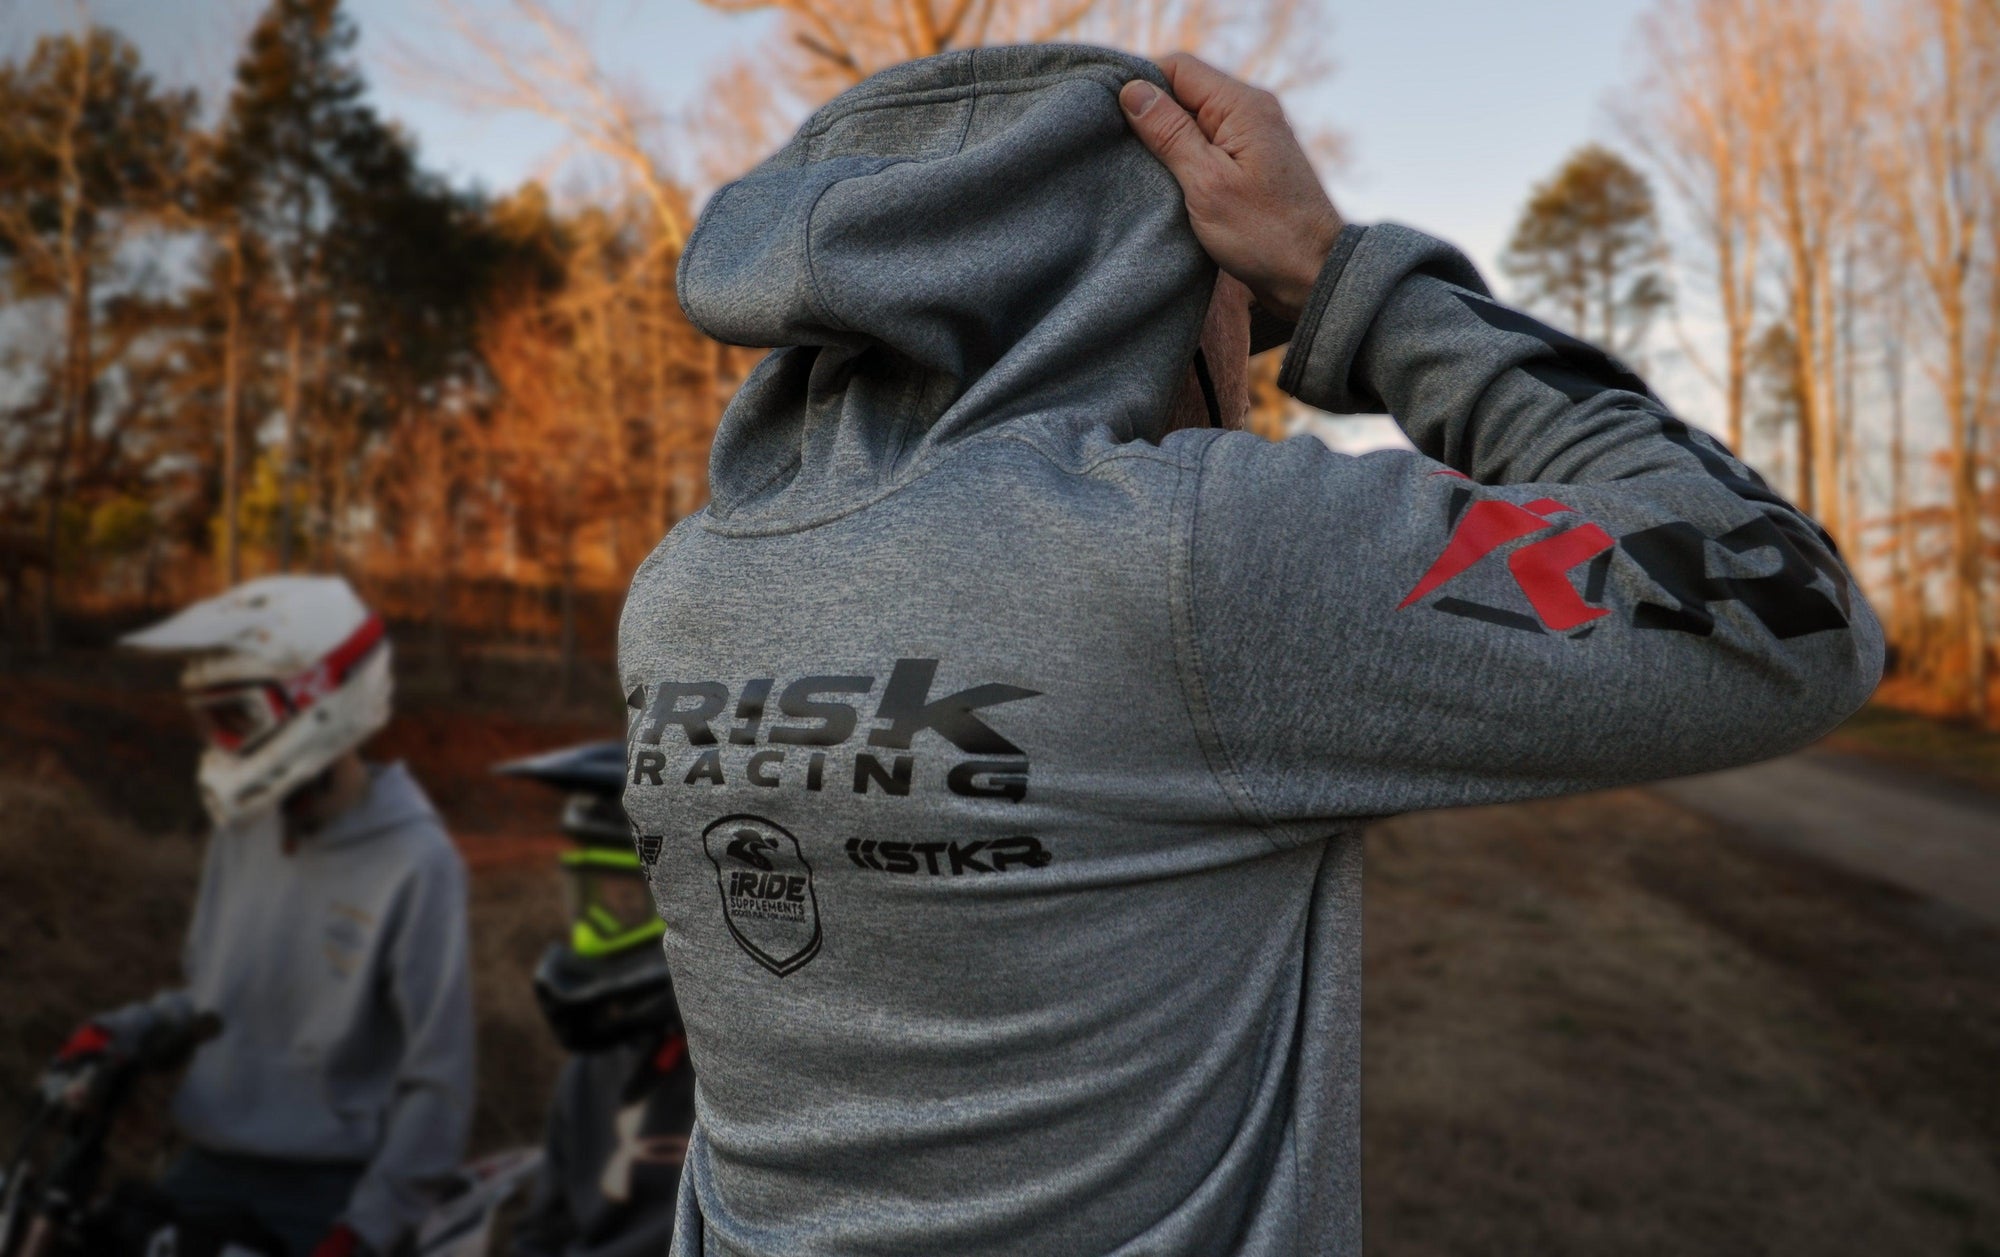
(165, 1015)
(1402, 322)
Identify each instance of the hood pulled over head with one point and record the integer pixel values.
(950, 245)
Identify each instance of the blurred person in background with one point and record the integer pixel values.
(329, 935)
(1006, 726)
(624, 1102)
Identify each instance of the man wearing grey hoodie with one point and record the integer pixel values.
(329, 936)
(1002, 734)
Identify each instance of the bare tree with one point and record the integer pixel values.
(1807, 108)
(1941, 77)
(743, 114)
(832, 44)
(542, 63)
(1690, 123)
(548, 442)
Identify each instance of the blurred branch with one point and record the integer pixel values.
(553, 73)
(1278, 43)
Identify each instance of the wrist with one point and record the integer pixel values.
(1291, 285)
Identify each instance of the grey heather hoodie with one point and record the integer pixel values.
(340, 973)
(1001, 763)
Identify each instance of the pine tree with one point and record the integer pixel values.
(285, 169)
(375, 268)
(1587, 250)
(90, 151)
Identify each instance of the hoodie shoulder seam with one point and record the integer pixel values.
(1222, 763)
(1183, 512)
(723, 526)
(1139, 450)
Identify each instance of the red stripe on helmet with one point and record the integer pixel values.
(330, 673)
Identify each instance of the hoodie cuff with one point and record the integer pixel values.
(1350, 299)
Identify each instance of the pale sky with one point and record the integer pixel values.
(1452, 108)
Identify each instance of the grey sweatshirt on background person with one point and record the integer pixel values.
(1001, 760)
(340, 973)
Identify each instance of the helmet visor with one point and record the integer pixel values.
(237, 717)
(610, 904)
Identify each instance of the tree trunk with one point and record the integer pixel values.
(1805, 386)
(1736, 333)
(288, 443)
(1967, 531)
(1848, 444)
(1901, 562)
(569, 617)
(77, 371)
(329, 444)
(442, 660)
(77, 396)
(232, 391)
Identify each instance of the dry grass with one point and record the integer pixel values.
(92, 916)
(116, 722)
(1926, 742)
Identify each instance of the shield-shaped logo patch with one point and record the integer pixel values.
(767, 891)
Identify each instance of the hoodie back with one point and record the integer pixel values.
(999, 763)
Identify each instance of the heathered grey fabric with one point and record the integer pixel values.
(340, 973)
(1000, 763)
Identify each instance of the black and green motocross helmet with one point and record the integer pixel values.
(607, 983)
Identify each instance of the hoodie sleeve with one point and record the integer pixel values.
(430, 1114)
(1565, 588)
(166, 1015)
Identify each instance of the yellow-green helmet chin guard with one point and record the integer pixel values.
(611, 905)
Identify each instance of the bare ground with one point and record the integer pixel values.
(1596, 1025)
(1601, 1025)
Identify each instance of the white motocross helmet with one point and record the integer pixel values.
(285, 675)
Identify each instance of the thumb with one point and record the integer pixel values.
(1166, 129)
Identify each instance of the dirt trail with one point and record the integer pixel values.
(1594, 1025)
(1932, 837)
(1608, 1025)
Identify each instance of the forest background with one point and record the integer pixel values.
(244, 328)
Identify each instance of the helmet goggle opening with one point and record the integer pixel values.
(235, 718)
(610, 903)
